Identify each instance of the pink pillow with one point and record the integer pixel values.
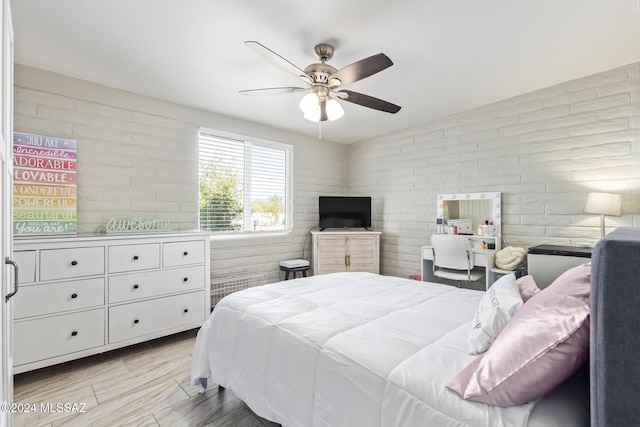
(544, 343)
(527, 287)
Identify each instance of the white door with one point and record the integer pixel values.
(6, 220)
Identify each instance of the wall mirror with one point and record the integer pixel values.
(478, 207)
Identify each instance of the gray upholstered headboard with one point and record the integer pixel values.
(615, 330)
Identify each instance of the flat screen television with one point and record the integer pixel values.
(344, 212)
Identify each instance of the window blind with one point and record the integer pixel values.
(244, 185)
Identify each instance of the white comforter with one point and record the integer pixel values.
(347, 349)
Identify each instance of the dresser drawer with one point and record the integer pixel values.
(58, 297)
(148, 317)
(26, 266)
(134, 257)
(175, 254)
(69, 263)
(55, 336)
(155, 283)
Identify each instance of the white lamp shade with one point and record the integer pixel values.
(309, 103)
(334, 110)
(603, 204)
(313, 115)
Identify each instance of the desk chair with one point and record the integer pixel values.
(453, 258)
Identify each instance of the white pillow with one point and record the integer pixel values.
(498, 304)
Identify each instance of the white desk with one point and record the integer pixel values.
(481, 258)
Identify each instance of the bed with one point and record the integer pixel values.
(358, 349)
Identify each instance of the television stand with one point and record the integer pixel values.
(338, 250)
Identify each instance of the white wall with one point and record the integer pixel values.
(543, 150)
(138, 156)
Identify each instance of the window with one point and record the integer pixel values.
(244, 185)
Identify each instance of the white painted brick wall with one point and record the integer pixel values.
(543, 150)
(134, 162)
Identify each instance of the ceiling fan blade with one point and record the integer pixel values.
(277, 59)
(369, 101)
(273, 90)
(361, 69)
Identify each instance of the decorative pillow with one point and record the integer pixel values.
(527, 287)
(543, 344)
(496, 307)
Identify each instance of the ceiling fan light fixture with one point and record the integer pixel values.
(310, 106)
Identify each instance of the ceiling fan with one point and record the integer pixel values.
(324, 82)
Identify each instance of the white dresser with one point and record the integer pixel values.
(338, 250)
(80, 296)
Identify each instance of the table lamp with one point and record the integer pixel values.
(603, 204)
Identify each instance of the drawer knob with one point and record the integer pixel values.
(74, 296)
(185, 253)
(135, 257)
(136, 321)
(74, 262)
(186, 310)
(74, 333)
(136, 286)
(185, 279)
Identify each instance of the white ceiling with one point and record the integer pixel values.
(449, 55)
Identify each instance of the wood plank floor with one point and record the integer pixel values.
(141, 385)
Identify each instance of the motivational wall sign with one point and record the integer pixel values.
(44, 185)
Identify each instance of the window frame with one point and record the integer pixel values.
(249, 140)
